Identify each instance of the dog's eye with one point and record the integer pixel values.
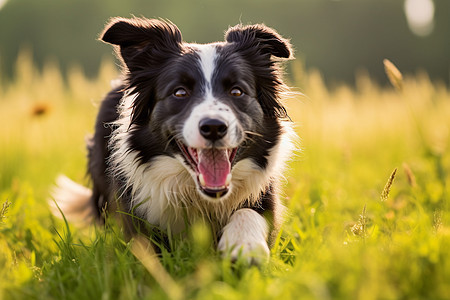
(180, 93)
(236, 92)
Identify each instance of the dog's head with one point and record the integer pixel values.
(210, 106)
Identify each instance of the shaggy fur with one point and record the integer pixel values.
(193, 132)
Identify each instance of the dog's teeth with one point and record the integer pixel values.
(228, 181)
(202, 180)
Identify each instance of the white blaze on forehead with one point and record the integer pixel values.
(208, 55)
(209, 106)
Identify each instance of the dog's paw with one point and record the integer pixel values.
(251, 252)
(245, 236)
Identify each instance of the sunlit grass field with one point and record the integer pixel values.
(353, 230)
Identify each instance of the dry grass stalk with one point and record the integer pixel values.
(4, 210)
(359, 229)
(387, 187)
(143, 251)
(437, 220)
(409, 175)
(393, 74)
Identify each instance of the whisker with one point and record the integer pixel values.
(253, 133)
(168, 142)
(249, 139)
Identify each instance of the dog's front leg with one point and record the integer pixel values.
(246, 234)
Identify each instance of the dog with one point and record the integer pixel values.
(192, 132)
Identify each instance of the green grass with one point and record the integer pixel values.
(341, 238)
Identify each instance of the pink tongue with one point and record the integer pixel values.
(215, 166)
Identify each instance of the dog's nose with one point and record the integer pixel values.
(213, 129)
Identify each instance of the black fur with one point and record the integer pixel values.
(155, 62)
(98, 150)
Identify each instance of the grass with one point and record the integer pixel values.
(354, 229)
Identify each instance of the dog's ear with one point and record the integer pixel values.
(265, 38)
(144, 46)
(262, 47)
(139, 36)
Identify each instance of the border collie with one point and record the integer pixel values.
(193, 132)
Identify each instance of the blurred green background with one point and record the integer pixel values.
(339, 38)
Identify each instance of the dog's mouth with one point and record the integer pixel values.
(212, 167)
